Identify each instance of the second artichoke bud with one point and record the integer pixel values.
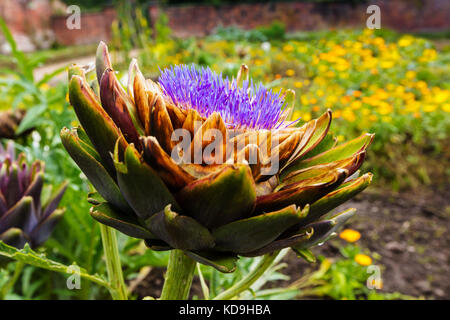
(24, 218)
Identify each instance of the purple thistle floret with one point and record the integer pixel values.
(250, 106)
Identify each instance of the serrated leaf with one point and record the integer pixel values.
(33, 258)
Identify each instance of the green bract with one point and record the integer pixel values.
(213, 211)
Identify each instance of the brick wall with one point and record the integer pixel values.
(401, 15)
(29, 21)
(94, 27)
(24, 16)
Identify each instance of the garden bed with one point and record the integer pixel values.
(409, 233)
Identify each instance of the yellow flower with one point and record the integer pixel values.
(446, 107)
(411, 75)
(342, 65)
(429, 108)
(298, 84)
(441, 96)
(290, 72)
(345, 99)
(367, 54)
(302, 49)
(339, 51)
(258, 62)
(323, 68)
(304, 100)
(348, 115)
(356, 105)
(367, 33)
(295, 115)
(378, 41)
(330, 74)
(412, 106)
(288, 48)
(357, 93)
(382, 94)
(350, 235)
(421, 84)
(409, 96)
(332, 98)
(400, 90)
(390, 86)
(405, 41)
(385, 108)
(428, 55)
(306, 116)
(356, 45)
(363, 259)
(387, 64)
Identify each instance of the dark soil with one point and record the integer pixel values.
(408, 230)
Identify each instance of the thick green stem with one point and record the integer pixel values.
(118, 289)
(179, 275)
(10, 284)
(250, 278)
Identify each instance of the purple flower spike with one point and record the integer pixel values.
(250, 106)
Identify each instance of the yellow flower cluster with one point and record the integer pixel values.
(365, 78)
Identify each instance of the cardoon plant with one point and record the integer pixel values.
(23, 217)
(207, 167)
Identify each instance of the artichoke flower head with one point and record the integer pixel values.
(208, 165)
(23, 217)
